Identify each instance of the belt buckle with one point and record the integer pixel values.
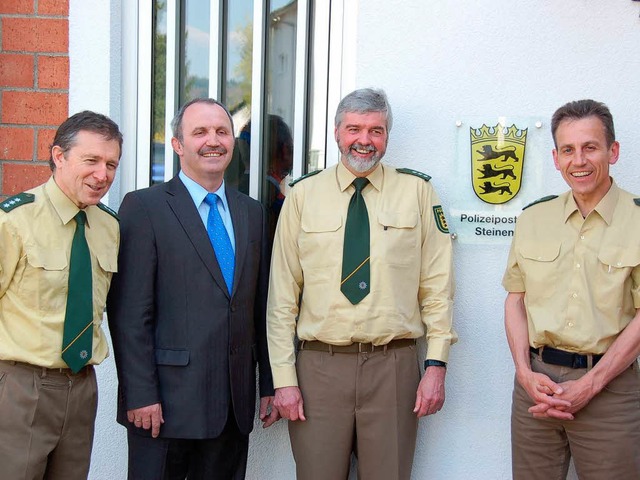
(360, 349)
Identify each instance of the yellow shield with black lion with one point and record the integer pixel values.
(497, 159)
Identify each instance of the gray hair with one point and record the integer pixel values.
(176, 123)
(365, 100)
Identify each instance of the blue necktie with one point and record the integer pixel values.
(220, 240)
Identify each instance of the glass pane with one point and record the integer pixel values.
(279, 106)
(158, 91)
(195, 62)
(236, 86)
(318, 86)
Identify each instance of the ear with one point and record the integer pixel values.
(554, 152)
(335, 134)
(177, 146)
(614, 153)
(57, 154)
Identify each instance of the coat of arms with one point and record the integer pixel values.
(497, 158)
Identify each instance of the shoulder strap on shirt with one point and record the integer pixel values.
(416, 173)
(541, 200)
(110, 211)
(16, 201)
(310, 174)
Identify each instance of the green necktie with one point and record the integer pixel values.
(356, 270)
(78, 321)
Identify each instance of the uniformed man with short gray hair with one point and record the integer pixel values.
(362, 267)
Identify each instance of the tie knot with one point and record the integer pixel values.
(81, 217)
(360, 183)
(211, 199)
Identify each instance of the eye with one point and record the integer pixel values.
(566, 150)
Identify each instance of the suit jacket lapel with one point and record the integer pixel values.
(240, 219)
(186, 212)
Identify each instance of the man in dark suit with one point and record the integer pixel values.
(187, 311)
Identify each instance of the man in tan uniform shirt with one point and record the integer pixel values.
(47, 411)
(571, 314)
(355, 385)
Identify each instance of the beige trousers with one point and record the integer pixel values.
(603, 438)
(361, 403)
(46, 422)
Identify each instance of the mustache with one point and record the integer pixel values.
(205, 150)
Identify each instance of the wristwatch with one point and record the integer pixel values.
(434, 363)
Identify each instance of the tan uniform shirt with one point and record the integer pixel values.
(35, 244)
(581, 276)
(411, 268)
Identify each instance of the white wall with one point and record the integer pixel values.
(438, 60)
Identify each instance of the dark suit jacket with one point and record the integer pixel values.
(179, 339)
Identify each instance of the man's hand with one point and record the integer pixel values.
(268, 412)
(149, 417)
(430, 394)
(577, 392)
(546, 395)
(288, 401)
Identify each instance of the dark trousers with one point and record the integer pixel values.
(220, 458)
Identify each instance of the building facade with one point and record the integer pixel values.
(282, 66)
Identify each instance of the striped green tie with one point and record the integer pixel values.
(356, 271)
(78, 322)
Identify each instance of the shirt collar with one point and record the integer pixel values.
(605, 207)
(62, 204)
(198, 192)
(345, 177)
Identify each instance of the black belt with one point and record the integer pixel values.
(45, 370)
(355, 347)
(565, 359)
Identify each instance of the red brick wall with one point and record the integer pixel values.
(34, 88)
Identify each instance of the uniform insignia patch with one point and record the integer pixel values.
(310, 174)
(17, 200)
(441, 221)
(110, 211)
(540, 200)
(416, 173)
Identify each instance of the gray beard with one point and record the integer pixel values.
(359, 165)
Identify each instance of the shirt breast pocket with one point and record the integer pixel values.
(45, 278)
(400, 237)
(540, 267)
(321, 236)
(615, 264)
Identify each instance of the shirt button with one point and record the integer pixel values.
(581, 237)
(577, 265)
(570, 324)
(575, 295)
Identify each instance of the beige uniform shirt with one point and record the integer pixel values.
(411, 268)
(581, 276)
(35, 244)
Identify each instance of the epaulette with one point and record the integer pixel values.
(110, 211)
(540, 200)
(310, 174)
(636, 201)
(409, 171)
(17, 200)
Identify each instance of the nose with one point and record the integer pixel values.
(580, 158)
(364, 137)
(213, 140)
(100, 172)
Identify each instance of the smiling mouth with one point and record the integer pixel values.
(363, 150)
(580, 174)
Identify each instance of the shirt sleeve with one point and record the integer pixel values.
(285, 286)
(512, 280)
(437, 285)
(10, 246)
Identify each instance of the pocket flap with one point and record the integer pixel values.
(108, 262)
(619, 257)
(541, 252)
(398, 219)
(47, 259)
(178, 358)
(321, 223)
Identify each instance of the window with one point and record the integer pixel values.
(269, 61)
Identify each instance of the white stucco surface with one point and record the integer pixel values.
(437, 60)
